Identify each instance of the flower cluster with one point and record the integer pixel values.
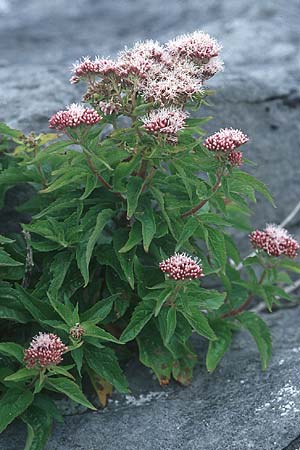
(74, 116)
(182, 267)
(76, 331)
(165, 120)
(225, 142)
(198, 45)
(164, 74)
(44, 350)
(275, 241)
(87, 68)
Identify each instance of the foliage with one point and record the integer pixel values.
(107, 209)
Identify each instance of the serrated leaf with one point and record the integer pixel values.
(216, 244)
(140, 316)
(147, 220)
(12, 349)
(170, 324)
(99, 311)
(94, 331)
(189, 229)
(216, 349)
(135, 237)
(134, 189)
(22, 374)
(39, 425)
(69, 388)
(104, 362)
(12, 404)
(198, 321)
(260, 333)
(7, 261)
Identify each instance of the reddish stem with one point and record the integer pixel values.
(245, 305)
(203, 202)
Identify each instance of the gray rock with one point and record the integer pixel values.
(236, 408)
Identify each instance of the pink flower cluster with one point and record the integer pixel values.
(182, 267)
(74, 116)
(45, 350)
(226, 141)
(87, 67)
(165, 120)
(275, 241)
(164, 74)
(198, 45)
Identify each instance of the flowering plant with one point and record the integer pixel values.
(132, 219)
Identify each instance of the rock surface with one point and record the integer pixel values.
(236, 408)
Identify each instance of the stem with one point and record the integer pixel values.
(143, 169)
(148, 179)
(100, 178)
(245, 305)
(203, 202)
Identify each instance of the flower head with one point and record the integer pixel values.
(275, 241)
(227, 139)
(87, 67)
(77, 331)
(74, 116)
(210, 69)
(235, 158)
(171, 83)
(198, 45)
(182, 267)
(44, 350)
(165, 120)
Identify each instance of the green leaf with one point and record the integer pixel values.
(77, 356)
(198, 321)
(59, 268)
(208, 299)
(85, 250)
(98, 312)
(39, 425)
(102, 219)
(216, 349)
(61, 370)
(134, 189)
(122, 171)
(5, 240)
(7, 261)
(260, 333)
(170, 324)
(12, 349)
(161, 298)
(8, 131)
(140, 316)
(12, 404)
(69, 388)
(216, 244)
(188, 230)
(154, 354)
(254, 183)
(135, 237)
(104, 362)
(126, 260)
(94, 331)
(148, 224)
(161, 202)
(22, 374)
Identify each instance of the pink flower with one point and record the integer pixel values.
(182, 267)
(235, 158)
(139, 59)
(74, 116)
(198, 46)
(275, 241)
(171, 83)
(165, 120)
(226, 139)
(109, 108)
(44, 350)
(210, 69)
(87, 67)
